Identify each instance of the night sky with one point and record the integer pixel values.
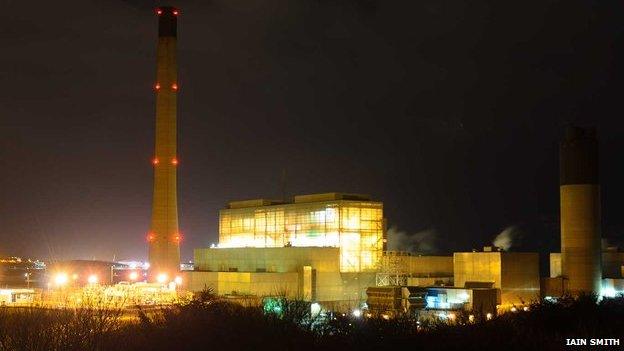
(449, 112)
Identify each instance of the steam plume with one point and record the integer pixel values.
(505, 240)
(420, 242)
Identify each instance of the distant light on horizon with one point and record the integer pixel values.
(61, 279)
(92, 279)
(162, 278)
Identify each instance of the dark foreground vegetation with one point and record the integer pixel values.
(209, 323)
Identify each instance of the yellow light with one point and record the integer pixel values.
(513, 309)
(60, 279)
(488, 316)
(471, 318)
(526, 308)
(133, 276)
(93, 279)
(178, 280)
(162, 278)
(75, 276)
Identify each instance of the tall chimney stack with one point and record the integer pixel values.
(580, 211)
(164, 236)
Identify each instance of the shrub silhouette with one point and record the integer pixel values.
(213, 323)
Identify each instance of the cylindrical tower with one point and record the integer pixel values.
(580, 211)
(164, 236)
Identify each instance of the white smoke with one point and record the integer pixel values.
(420, 242)
(505, 240)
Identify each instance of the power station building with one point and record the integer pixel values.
(329, 248)
(322, 247)
(351, 222)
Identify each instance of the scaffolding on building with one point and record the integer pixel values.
(355, 226)
(393, 269)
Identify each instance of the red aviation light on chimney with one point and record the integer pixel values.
(174, 161)
(176, 12)
(158, 12)
(177, 238)
(155, 161)
(150, 237)
(174, 86)
(157, 86)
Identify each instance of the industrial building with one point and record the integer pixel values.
(435, 300)
(16, 297)
(322, 247)
(352, 222)
(612, 274)
(329, 248)
(309, 273)
(515, 275)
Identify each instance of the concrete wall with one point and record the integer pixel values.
(515, 274)
(520, 279)
(245, 283)
(553, 287)
(430, 281)
(430, 266)
(555, 264)
(345, 288)
(580, 237)
(477, 267)
(271, 259)
(612, 262)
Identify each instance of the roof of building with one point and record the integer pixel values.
(323, 197)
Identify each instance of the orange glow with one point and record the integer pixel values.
(174, 86)
(174, 161)
(155, 161)
(157, 86)
(150, 237)
(177, 238)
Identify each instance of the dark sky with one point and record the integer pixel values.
(448, 111)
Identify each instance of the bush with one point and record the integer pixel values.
(208, 322)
